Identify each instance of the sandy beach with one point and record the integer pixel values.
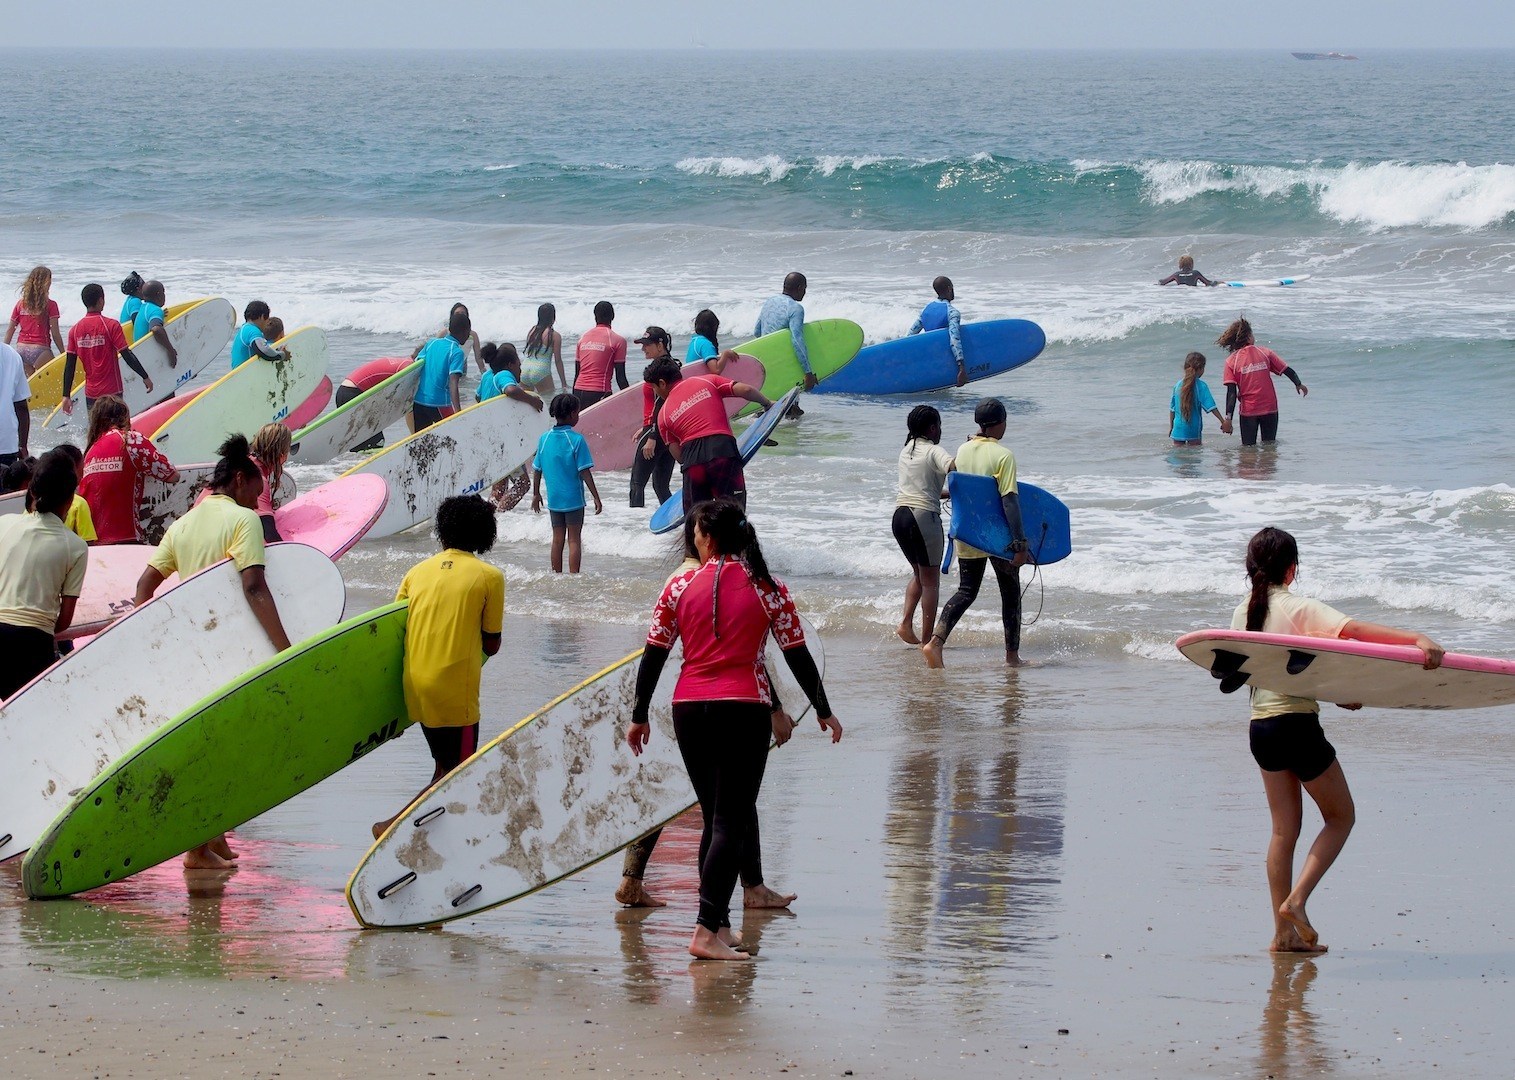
(1066, 882)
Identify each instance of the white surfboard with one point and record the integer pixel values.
(1263, 283)
(357, 421)
(243, 400)
(165, 502)
(61, 729)
(1350, 672)
(462, 455)
(199, 333)
(552, 796)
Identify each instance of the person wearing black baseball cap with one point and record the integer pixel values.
(652, 461)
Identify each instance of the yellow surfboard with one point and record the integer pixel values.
(47, 383)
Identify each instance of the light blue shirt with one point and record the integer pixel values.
(954, 329)
(129, 310)
(561, 454)
(493, 383)
(1204, 401)
(781, 311)
(147, 315)
(700, 348)
(440, 360)
(245, 344)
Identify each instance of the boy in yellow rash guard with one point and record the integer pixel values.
(457, 608)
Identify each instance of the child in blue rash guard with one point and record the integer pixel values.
(1191, 400)
(939, 314)
(564, 461)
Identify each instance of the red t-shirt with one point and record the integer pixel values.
(1251, 369)
(98, 340)
(599, 351)
(729, 667)
(695, 408)
(34, 329)
(115, 469)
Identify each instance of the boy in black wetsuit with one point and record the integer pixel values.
(1186, 274)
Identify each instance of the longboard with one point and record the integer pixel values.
(46, 383)
(357, 421)
(1266, 282)
(461, 455)
(552, 796)
(336, 515)
(831, 343)
(978, 519)
(147, 422)
(670, 515)
(610, 426)
(199, 332)
(243, 400)
(231, 757)
(78, 716)
(924, 362)
(1349, 672)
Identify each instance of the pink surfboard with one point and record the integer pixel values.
(1349, 672)
(336, 515)
(311, 407)
(149, 420)
(610, 425)
(331, 519)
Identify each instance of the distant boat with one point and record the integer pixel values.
(1324, 56)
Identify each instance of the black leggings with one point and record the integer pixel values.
(970, 575)
(659, 470)
(639, 853)
(25, 653)
(725, 749)
(1250, 425)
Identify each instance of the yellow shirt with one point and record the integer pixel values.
(1299, 616)
(455, 596)
(985, 457)
(79, 522)
(218, 528)
(40, 562)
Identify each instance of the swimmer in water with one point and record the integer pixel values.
(1186, 274)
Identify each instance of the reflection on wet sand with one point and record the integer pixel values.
(172, 921)
(1288, 1044)
(1250, 462)
(973, 835)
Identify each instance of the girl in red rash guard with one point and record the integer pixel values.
(724, 610)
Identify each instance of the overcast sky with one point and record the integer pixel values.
(766, 24)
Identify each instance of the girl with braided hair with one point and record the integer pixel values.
(917, 523)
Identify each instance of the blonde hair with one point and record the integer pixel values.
(1186, 262)
(271, 447)
(34, 290)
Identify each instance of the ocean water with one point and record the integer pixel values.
(365, 192)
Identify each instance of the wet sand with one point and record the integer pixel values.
(1056, 871)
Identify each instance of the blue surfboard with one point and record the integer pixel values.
(978, 519)
(670, 515)
(924, 362)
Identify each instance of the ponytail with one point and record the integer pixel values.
(725, 522)
(919, 423)
(234, 460)
(1194, 367)
(1270, 556)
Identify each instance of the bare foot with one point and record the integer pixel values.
(762, 897)
(633, 893)
(906, 633)
(731, 937)
(1013, 659)
(706, 946)
(932, 650)
(1288, 941)
(1294, 914)
(203, 858)
(223, 849)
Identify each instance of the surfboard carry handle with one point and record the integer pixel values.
(429, 815)
(1298, 661)
(467, 896)
(6, 839)
(396, 885)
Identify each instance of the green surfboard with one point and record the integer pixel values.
(259, 741)
(832, 343)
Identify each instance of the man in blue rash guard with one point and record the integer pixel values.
(939, 313)
(786, 310)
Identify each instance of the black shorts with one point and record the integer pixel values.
(919, 535)
(1292, 743)
(721, 478)
(427, 415)
(25, 653)
(451, 746)
(563, 519)
(1267, 424)
(587, 398)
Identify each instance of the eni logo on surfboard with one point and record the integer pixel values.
(375, 740)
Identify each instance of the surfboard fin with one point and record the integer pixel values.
(1227, 667)
(1298, 661)
(396, 885)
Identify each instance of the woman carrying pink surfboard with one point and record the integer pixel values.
(1286, 737)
